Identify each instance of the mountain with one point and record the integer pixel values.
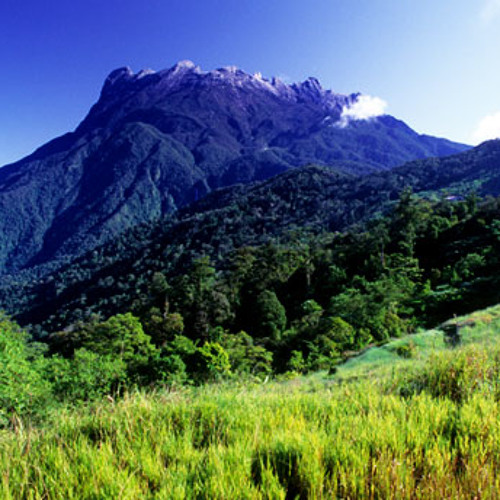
(309, 200)
(157, 141)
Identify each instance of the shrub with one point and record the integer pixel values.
(23, 391)
(86, 377)
(296, 362)
(406, 350)
(245, 357)
(211, 362)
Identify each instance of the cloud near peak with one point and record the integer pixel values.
(364, 107)
(488, 128)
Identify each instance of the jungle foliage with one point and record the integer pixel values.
(300, 305)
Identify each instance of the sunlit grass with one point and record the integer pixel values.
(484, 330)
(348, 442)
(385, 426)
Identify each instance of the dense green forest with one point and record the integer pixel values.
(295, 206)
(295, 306)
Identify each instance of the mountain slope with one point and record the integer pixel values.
(155, 142)
(311, 199)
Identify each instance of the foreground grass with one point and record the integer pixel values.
(383, 427)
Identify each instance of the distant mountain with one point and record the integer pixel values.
(310, 199)
(157, 141)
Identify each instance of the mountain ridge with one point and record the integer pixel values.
(158, 141)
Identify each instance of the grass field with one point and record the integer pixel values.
(412, 419)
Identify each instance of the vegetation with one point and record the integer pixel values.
(303, 304)
(292, 208)
(385, 426)
(173, 399)
(187, 365)
(300, 305)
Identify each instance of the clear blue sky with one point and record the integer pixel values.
(435, 62)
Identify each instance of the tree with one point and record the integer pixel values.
(296, 362)
(163, 327)
(339, 331)
(174, 360)
(200, 299)
(245, 357)
(270, 316)
(123, 337)
(211, 362)
(374, 306)
(408, 216)
(158, 290)
(85, 377)
(312, 313)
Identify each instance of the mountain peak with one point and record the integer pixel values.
(157, 141)
(124, 79)
(121, 77)
(118, 74)
(185, 64)
(312, 83)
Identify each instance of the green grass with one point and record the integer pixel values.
(385, 426)
(384, 360)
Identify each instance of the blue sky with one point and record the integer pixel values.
(435, 63)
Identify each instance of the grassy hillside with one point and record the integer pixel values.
(415, 418)
(480, 330)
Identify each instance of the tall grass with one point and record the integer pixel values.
(280, 442)
(430, 429)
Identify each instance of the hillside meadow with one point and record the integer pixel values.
(415, 418)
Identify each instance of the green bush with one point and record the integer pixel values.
(296, 362)
(170, 364)
(85, 377)
(245, 357)
(211, 362)
(123, 338)
(23, 391)
(406, 350)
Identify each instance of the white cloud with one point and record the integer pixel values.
(487, 128)
(363, 108)
(490, 11)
